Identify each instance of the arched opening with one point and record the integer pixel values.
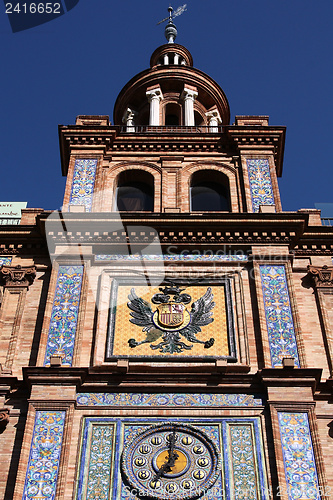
(135, 191)
(198, 119)
(172, 114)
(209, 192)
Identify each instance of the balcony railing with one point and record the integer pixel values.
(171, 129)
(327, 221)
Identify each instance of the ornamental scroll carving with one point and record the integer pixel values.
(17, 276)
(322, 277)
(4, 419)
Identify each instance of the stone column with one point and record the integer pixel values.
(214, 120)
(128, 119)
(154, 97)
(176, 59)
(16, 281)
(189, 96)
(322, 282)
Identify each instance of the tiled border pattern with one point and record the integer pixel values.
(279, 319)
(64, 315)
(5, 261)
(298, 457)
(83, 183)
(260, 183)
(166, 400)
(243, 459)
(96, 459)
(44, 459)
(240, 439)
(175, 258)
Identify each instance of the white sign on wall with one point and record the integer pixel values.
(10, 211)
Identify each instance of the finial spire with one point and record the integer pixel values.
(170, 29)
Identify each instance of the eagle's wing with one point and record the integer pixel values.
(141, 312)
(201, 314)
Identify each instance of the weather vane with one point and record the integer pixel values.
(170, 29)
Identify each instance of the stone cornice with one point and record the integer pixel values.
(248, 138)
(180, 229)
(291, 377)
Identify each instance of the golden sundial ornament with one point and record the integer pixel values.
(171, 461)
(171, 320)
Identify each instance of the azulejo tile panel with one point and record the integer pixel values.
(169, 400)
(64, 316)
(5, 261)
(173, 258)
(260, 183)
(279, 319)
(148, 336)
(298, 457)
(236, 440)
(44, 459)
(97, 459)
(244, 459)
(83, 183)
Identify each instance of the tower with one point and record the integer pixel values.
(178, 342)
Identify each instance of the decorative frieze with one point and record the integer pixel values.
(17, 276)
(64, 316)
(260, 183)
(168, 400)
(83, 183)
(173, 258)
(279, 319)
(298, 456)
(44, 458)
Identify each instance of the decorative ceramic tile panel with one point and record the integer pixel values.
(174, 258)
(260, 183)
(5, 261)
(127, 338)
(105, 440)
(83, 183)
(64, 315)
(44, 459)
(280, 324)
(96, 470)
(244, 460)
(298, 457)
(167, 400)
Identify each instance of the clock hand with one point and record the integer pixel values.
(171, 459)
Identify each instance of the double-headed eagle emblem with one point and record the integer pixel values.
(171, 320)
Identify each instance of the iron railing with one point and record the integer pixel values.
(327, 221)
(171, 129)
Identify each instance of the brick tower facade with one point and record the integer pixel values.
(169, 333)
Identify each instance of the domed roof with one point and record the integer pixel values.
(171, 70)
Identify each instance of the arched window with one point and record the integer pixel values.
(135, 191)
(172, 114)
(209, 192)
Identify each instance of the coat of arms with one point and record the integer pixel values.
(171, 320)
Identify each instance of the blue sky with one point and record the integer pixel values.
(270, 57)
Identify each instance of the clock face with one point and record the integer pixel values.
(171, 461)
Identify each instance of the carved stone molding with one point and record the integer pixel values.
(17, 276)
(322, 277)
(4, 418)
